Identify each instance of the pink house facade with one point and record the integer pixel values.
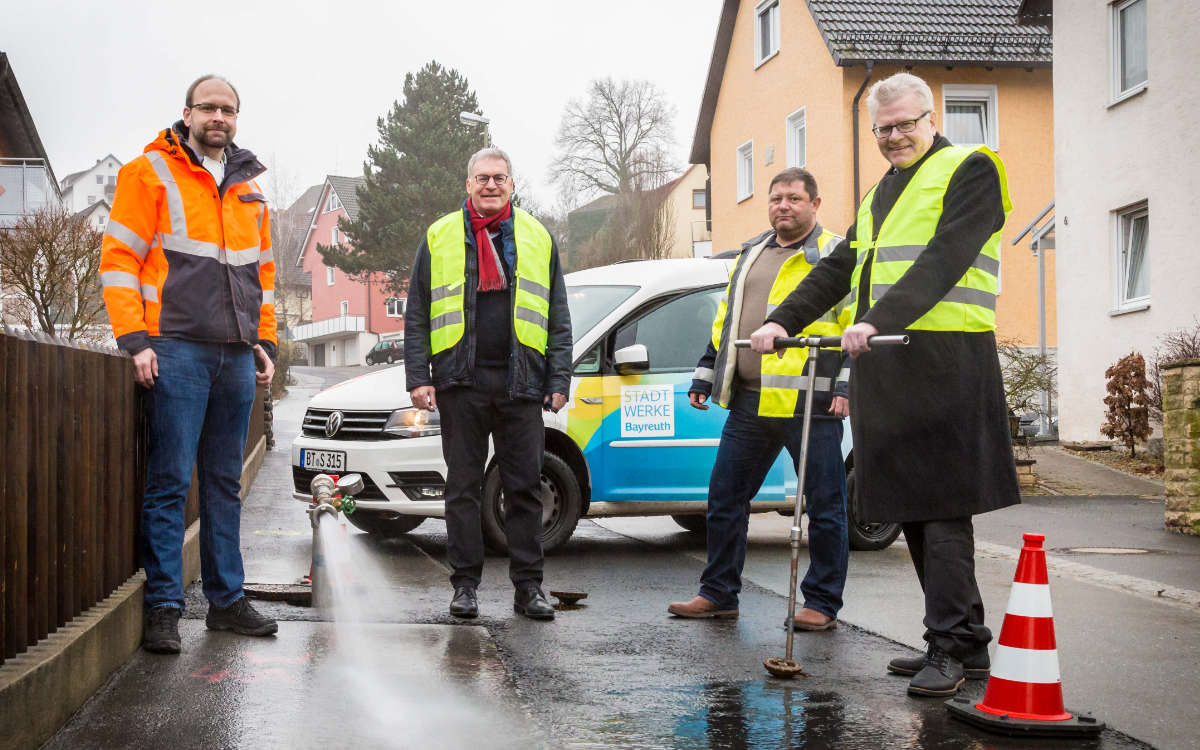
(348, 315)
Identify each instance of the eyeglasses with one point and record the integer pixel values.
(483, 179)
(905, 126)
(209, 109)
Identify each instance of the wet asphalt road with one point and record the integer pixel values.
(617, 672)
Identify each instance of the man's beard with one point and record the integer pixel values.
(214, 137)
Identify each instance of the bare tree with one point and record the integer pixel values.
(50, 270)
(614, 141)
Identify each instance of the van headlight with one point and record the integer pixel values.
(413, 422)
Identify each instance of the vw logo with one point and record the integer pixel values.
(333, 424)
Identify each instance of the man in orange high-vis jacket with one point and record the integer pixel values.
(189, 283)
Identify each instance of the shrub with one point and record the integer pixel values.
(1128, 401)
(1027, 374)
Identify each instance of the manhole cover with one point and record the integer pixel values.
(1106, 551)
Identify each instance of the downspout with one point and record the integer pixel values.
(854, 131)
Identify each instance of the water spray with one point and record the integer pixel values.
(330, 495)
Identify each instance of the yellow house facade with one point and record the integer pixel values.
(787, 78)
(684, 207)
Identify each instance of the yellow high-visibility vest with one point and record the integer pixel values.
(783, 379)
(970, 305)
(447, 239)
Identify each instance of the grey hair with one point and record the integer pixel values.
(487, 153)
(892, 88)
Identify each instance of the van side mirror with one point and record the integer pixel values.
(632, 359)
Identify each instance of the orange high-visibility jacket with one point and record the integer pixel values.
(184, 257)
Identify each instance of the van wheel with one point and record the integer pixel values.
(693, 522)
(561, 503)
(383, 525)
(866, 536)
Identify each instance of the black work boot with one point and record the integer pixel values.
(941, 676)
(975, 667)
(529, 600)
(240, 617)
(464, 604)
(160, 630)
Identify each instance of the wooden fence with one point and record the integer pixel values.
(72, 463)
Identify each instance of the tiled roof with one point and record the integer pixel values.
(953, 32)
(346, 189)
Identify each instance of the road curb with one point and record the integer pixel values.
(41, 688)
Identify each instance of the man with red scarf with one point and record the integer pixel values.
(487, 346)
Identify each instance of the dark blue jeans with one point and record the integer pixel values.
(199, 412)
(749, 445)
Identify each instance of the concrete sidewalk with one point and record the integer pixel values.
(1065, 474)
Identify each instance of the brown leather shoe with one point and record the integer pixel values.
(811, 619)
(700, 608)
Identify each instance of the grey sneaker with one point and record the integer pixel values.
(160, 630)
(240, 617)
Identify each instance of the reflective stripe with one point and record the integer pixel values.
(149, 292)
(531, 316)
(771, 308)
(793, 382)
(969, 296)
(266, 256)
(174, 197)
(268, 297)
(1029, 600)
(442, 292)
(122, 233)
(120, 278)
(911, 252)
(844, 375)
(962, 294)
(898, 252)
(181, 244)
(242, 257)
(987, 263)
(703, 373)
(446, 319)
(1026, 665)
(527, 285)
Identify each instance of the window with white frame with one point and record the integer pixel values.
(1128, 48)
(395, 307)
(969, 115)
(335, 237)
(345, 307)
(745, 171)
(329, 275)
(99, 179)
(796, 150)
(766, 31)
(332, 203)
(699, 198)
(1133, 257)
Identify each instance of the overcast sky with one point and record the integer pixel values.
(103, 77)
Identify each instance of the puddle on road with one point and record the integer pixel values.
(774, 713)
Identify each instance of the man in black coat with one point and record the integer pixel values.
(929, 419)
(488, 345)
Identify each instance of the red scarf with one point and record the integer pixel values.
(491, 276)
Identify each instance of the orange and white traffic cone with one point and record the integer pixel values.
(1024, 691)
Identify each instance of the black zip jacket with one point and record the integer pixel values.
(531, 375)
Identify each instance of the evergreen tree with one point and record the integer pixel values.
(414, 175)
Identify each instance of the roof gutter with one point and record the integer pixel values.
(854, 132)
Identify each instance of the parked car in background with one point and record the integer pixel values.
(626, 444)
(388, 350)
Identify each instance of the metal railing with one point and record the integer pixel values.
(72, 464)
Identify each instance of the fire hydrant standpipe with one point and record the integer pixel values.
(327, 498)
(786, 667)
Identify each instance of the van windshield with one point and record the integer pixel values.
(589, 304)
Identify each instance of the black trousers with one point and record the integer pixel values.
(943, 552)
(469, 416)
